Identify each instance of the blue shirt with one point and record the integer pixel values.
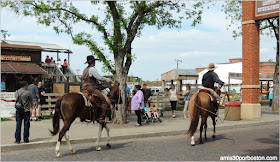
(127, 92)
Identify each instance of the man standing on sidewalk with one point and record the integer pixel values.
(27, 101)
(33, 89)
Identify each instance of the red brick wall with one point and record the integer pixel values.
(250, 53)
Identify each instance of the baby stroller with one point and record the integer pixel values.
(148, 114)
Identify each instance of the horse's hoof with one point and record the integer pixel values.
(193, 144)
(58, 155)
(206, 139)
(98, 148)
(213, 136)
(72, 152)
(201, 142)
(108, 145)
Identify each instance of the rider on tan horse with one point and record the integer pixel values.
(208, 81)
(90, 85)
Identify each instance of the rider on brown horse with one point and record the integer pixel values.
(208, 81)
(90, 85)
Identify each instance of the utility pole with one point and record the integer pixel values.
(77, 70)
(178, 62)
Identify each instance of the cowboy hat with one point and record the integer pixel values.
(211, 66)
(90, 58)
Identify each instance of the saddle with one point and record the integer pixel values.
(213, 99)
(91, 99)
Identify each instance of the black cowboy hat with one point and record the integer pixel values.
(90, 58)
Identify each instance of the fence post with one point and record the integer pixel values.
(157, 99)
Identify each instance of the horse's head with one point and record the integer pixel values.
(217, 90)
(115, 94)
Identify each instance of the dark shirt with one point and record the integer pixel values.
(147, 94)
(210, 78)
(41, 90)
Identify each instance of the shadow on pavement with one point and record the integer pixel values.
(272, 151)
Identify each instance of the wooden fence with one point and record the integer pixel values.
(51, 100)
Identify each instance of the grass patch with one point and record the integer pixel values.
(6, 119)
(47, 116)
(264, 103)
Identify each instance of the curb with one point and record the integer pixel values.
(25, 146)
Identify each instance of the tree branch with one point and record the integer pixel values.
(274, 29)
(100, 27)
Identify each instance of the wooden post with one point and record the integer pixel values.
(178, 85)
(68, 58)
(163, 85)
(157, 99)
(196, 86)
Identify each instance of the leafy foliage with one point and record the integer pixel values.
(233, 10)
(119, 24)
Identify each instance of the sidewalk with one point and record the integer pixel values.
(81, 132)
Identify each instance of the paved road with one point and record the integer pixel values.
(253, 141)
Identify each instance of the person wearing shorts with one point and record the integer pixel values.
(33, 89)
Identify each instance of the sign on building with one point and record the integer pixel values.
(266, 9)
(15, 58)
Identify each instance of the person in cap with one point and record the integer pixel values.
(90, 77)
(209, 79)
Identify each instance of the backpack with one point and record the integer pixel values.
(19, 105)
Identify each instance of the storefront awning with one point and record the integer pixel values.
(21, 68)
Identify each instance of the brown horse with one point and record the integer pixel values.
(72, 105)
(201, 105)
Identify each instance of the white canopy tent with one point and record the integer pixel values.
(223, 71)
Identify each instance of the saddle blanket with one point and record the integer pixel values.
(208, 92)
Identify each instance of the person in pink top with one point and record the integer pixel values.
(64, 66)
(137, 103)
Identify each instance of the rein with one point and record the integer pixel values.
(216, 114)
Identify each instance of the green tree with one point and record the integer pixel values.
(269, 27)
(119, 24)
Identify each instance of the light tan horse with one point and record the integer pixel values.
(201, 105)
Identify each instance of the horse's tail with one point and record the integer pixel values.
(195, 116)
(56, 116)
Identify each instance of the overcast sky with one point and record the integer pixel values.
(156, 50)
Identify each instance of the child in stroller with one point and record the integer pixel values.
(151, 114)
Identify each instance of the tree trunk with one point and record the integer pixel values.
(275, 101)
(121, 76)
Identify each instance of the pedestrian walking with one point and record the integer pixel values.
(24, 113)
(41, 92)
(137, 103)
(173, 98)
(270, 96)
(187, 94)
(33, 89)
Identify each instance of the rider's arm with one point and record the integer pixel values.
(94, 73)
(217, 80)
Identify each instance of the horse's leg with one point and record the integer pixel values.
(214, 125)
(201, 127)
(68, 143)
(108, 136)
(98, 148)
(192, 142)
(205, 129)
(61, 134)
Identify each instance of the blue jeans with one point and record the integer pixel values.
(19, 117)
